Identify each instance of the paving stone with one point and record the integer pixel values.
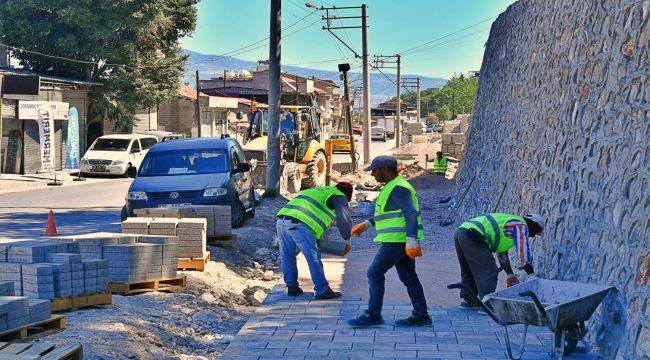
(405, 354)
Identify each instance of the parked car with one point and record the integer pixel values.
(378, 133)
(357, 129)
(114, 154)
(164, 135)
(202, 171)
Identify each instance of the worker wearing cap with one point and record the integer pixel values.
(301, 223)
(440, 163)
(476, 239)
(398, 227)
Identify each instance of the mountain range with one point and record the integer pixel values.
(381, 89)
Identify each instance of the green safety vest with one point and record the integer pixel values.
(390, 226)
(491, 227)
(440, 165)
(310, 207)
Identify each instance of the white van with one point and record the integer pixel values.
(378, 133)
(113, 154)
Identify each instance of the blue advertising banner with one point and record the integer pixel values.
(72, 145)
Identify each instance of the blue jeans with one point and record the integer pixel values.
(293, 234)
(389, 255)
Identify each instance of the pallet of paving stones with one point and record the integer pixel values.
(143, 286)
(80, 302)
(225, 241)
(35, 330)
(40, 351)
(196, 264)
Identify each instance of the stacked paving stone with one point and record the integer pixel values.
(52, 269)
(190, 233)
(134, 256)
(134, 262)
(219, 222)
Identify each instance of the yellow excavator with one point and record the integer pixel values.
(301, 144)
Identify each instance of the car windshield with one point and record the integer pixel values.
(108, 144)
(184, 162)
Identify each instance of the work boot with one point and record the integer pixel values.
(468, 305)
(328, 294)
(415, 320)
(366, 321)
(294, 291)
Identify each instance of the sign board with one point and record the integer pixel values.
(72, 143)
(46, 137)
(21, 84)
(29, 110)
(223, 102)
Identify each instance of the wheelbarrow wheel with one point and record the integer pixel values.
(574, 334)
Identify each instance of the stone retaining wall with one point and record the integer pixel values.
(562, 115)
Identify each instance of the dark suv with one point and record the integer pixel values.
(203, 171)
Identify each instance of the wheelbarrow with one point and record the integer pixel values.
(562, 306)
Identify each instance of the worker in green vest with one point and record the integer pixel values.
(476, 239)
(440, 163)
(398, 228)
(301, 223)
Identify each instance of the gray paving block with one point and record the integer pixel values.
(7, 288)
(18, 322)
(63, 257)
(36, 269)
(39, 295)
(38, 288)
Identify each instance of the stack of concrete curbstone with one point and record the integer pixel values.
(38, 281)
(169, 252)
(219, 221)
(191, 238)
(136, 225)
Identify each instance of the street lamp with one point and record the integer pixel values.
(311, 5)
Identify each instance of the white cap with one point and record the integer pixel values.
(537, 219)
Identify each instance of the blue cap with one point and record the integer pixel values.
(382, 161)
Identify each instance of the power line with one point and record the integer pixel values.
(413, 49)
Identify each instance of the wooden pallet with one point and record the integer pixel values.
(43, 351)
(35, 330)
(197, 264)
(226, 241)
(82, 301)
(139, 287)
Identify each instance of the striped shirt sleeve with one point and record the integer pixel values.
(519, 233)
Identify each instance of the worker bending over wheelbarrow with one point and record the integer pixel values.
(398, 227)
(476, 239)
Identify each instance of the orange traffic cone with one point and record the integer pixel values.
(50, 229)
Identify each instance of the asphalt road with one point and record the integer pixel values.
(78, 209)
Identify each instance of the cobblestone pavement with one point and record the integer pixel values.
(298, 328)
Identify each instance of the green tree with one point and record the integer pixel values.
(130, 47)
(456, 97)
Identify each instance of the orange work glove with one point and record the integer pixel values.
(511, 280)
(360, 228)
(413, 248)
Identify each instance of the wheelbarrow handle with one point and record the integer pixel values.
(535, 299)
(478, 300)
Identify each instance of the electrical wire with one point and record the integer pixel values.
(414, 49)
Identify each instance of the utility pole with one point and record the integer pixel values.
(365, 57)
(297, 90)
(419, 105)
(344, 68)
(393, 62)
(224, 81)
(197, 105)
(366, 85)
(273, 144)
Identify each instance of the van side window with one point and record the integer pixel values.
(234, 158)
(136, 145)
(240, 153)
(147, 143)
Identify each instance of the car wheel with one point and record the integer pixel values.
(126, 171)
(123, 213)
(238, 214)
(251, 213)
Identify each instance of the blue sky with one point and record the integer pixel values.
(395, 26)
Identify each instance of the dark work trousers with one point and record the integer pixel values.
(478, 270)
(389, 255)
